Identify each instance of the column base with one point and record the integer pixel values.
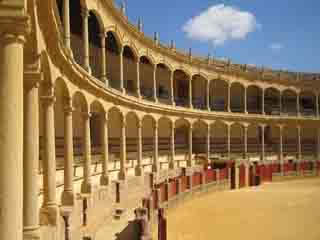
(70, 53)
(67, 198)
(86, 187)
(104, 180)
(31, 233)
(88, 69)
(171, 165)
(138, 171)
(122, 175)
(122, 90)
(49, 215)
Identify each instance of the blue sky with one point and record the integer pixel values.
(282, 34)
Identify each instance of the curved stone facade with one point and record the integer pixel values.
(104, 105)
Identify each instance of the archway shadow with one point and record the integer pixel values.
(131, 232)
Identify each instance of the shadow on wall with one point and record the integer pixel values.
(131, 232)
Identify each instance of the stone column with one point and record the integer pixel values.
(31, 160)
(85, 32)
(262, 105)
(49, 207)
(66, 24)
(190, 92)
(122, 89)
(103, 59)
(138, 78)
(299, 142)
(155, 96)
(172, 146)
(317, 105)
(229, 97)
(189, 162)
(245, 140)
(262, 126)
(172, 89)
(245, 100)
(12, 32)
(123, 150)
(86, 186)
(67, 198)
(104, 179)
(155, 164)
(229, 142)
(208, 143)
(138, 169)
(208, 96)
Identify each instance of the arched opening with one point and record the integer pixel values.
(309, 141)
(148, 125)
(113, 60)
(219, 139)
(132, 140)
(236, 140)
(163, 83)
(114, 131)
(237, 97)
(146, 78)
(272, 101)
(181, 142)
(181, 88)
(129, 71)
(60, 10)
(199, 140)
(254, 99)
(289, 102)
(254, 141)
(219, 100)
(199, 86)
(307, 103)
(94, 46)
(76, 32)
(290, 141)
(164, 125)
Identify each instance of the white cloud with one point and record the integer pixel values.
(276, 46)
(220, 23)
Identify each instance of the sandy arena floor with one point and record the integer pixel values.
(279, 211)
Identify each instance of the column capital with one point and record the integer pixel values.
(14, 28)
(49, 100)
(85, 12)
(262, 125)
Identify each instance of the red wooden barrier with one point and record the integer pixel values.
(223, 174)
(184, 183)
(242, 176)
(163, 193)
(196, 179)
(210, 175)
(251, 177)
(154, 199)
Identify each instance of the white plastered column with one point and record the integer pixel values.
(155, 97)
(281, 146)
(138, 168)
(229, 98)
(122, 89)
(67, 198)
(189, 161)
(245, 100)
(299, 142)
(262, 102)
(155, 165)
(86, 186)
(229, 141)
(66, 24)
(298, 104)
(172, 88)
(104, 179)
(245, 140)
(31, 159)
(208, 143)
(123, 150)
(103, 58)
(190, 92)
(138, 78)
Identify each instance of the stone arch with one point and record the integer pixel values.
(254, 139)
(307, 100)
(76, 31)
(80, 102)
(254, 99)
(96, 125)
(219, 137)
(272, 101)
(236, 139)
(181, 87)
(129, 70)
(290, 140)
(199, 136)
(163, 74)
(199, 92)
(132, 120)
(289, 102)
(237, 97)
(219, 94)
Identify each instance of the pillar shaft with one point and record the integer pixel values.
(262, 143)
(245, 100)
(155, 95)
(298, 104)
(122, 89)
(229, 142)
(208, 95)
(208, 143)
(86, 184)
(229, 98)
(104, 180)
(31, 161)
(172, 88)
(123, 150)
(172, 145)
(103, 59)
(138, 171)
(155, 165)
(190, 92)
(281, 144)
(280, 103)
(68, 193)
(189, 162)
(85, 32)
(262, 102)
(138, 79)
(66, 23)
(299, 142)
(245, 140)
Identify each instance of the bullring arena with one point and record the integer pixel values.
(104, 128)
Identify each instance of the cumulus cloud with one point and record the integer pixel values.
(276, 46)
(220, 23)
